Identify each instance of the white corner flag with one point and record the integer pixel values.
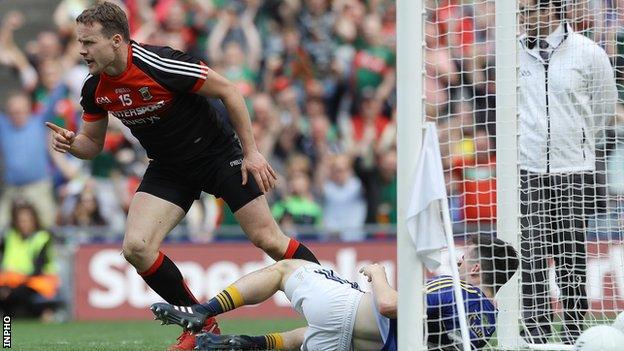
(429, 222)
(424, 223)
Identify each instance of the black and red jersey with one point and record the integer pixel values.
(155, 97)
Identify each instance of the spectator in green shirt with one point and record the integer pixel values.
(373, 64)
(299, 204)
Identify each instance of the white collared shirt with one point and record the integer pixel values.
(563, 104)
(554, 40)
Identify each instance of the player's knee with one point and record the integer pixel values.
(134, 250)
(282, 267)
(264, 238)
(286, 267)
(264, 243)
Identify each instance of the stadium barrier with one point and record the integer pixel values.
(107, 287)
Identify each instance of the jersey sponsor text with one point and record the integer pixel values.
(138, 111)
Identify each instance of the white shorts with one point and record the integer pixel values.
(329, 305)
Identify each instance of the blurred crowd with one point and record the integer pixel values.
(460, 96)
(318, 77)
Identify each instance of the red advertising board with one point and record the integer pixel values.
(107, 287)
(605, 277)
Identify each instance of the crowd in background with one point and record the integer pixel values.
(460, 95)
(318, 77)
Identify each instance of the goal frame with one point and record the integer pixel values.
(410, 115)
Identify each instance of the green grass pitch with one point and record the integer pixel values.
(124, 335)
(138, 335)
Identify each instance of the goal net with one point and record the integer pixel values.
(535, 157)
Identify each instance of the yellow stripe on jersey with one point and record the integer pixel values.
(442, 281)
(438, 281)
(467, 288)
(445, 280)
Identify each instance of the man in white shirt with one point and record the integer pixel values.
(344, 206)
(566, 96)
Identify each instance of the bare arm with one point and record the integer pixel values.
(28, 75)
(86, 145)
(219, 87)
(10, 22)
(215, 41)
(386, 86)
(385, 296)
(254, 46)
(63, 19)
(68, 170)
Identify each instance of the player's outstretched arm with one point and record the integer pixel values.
(253, 161)
(385, 296)
(86, 145)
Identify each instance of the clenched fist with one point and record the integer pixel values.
(62, 139)
(372, 269)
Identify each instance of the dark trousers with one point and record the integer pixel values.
(552, 222)
(19, 302)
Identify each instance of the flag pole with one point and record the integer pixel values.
(430, 127)
(429, 224)
(459, 297)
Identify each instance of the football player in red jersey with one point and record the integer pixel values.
(162, 94)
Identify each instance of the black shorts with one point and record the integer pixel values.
(181, 184)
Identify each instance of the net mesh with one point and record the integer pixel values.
(570, 146)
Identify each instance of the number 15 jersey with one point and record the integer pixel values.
(155, 97)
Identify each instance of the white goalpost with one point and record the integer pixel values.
(409, 110)
(540, 166)
(507, 225)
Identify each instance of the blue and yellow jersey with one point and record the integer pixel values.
(442, 314)
(391, 341)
